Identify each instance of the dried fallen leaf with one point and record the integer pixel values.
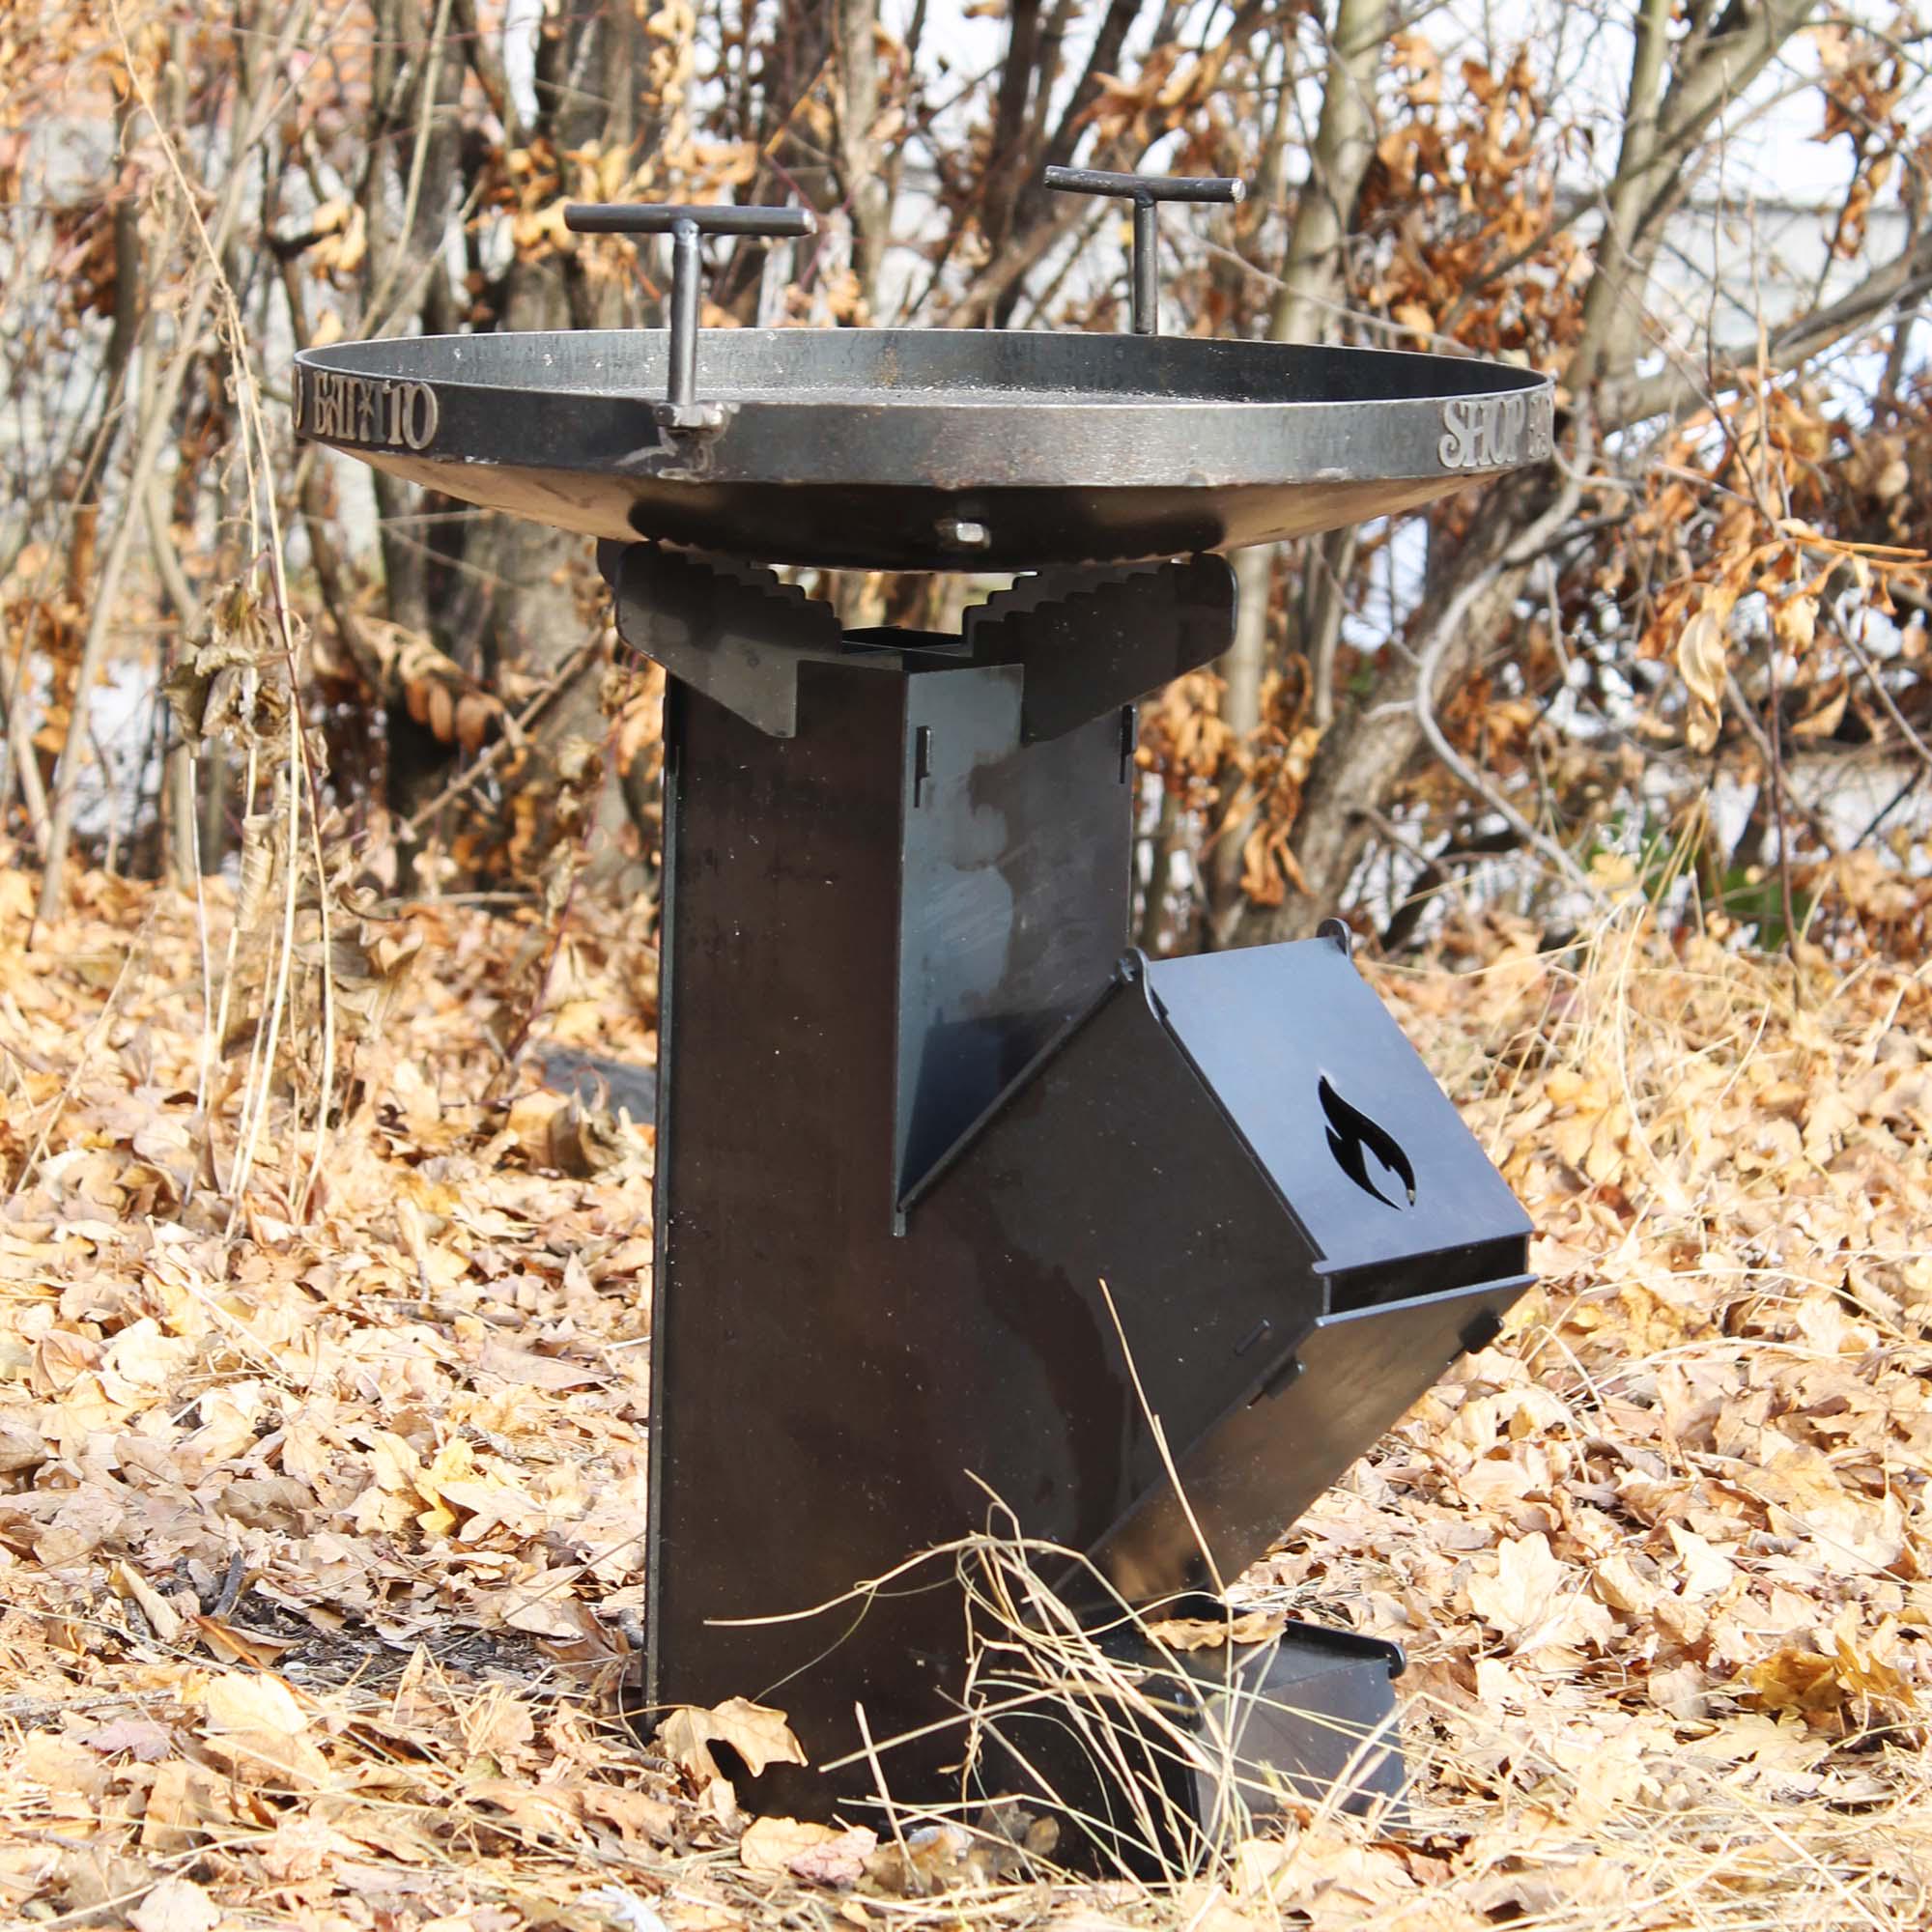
(1209, 1909)
(1700, 656)
(1519, 1595)
(640, 1818)
(164, 1619)
(176, 1905)
(1707, 1570)
(770, 1844)
(21, 1447)
(238, 1701)
(540, 1372)
(838, 1863)
(1806, 1681)
(1186, 1633)
(934, 1858)
(758, 1734)
(139, 1738)
(256, 1724)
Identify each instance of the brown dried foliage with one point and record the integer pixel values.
(320, 1544)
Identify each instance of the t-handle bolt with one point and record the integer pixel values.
(1147, 193)
(685, 225)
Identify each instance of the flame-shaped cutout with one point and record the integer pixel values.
(1356, 1140)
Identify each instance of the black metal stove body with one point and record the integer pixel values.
(966, 1214)
(917, 1104)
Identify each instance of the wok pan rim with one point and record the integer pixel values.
(1069, 446)
(740, 345)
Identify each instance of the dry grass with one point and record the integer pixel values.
(318, 1543)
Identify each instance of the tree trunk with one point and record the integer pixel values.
(857, 90)
(1311, 279)
(494, 593)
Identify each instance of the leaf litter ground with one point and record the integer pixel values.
(319, 1556)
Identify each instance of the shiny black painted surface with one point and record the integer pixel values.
(824, 1384)
(1366, 1151)
(916, 1107)
(1014, 895)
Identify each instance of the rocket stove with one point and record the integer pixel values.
(918, 1100)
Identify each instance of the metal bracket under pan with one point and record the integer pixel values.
(1093, 641)
(731, 630)
(1087, 643)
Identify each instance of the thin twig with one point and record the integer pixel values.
(18, 762)
(1430, 663)
(1754, 731)
(1885, 697)
(153, 425)
(1774, 732)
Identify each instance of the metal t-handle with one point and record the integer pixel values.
(1147, 193)
(685, 225)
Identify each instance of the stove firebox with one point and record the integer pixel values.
(919, 1102)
